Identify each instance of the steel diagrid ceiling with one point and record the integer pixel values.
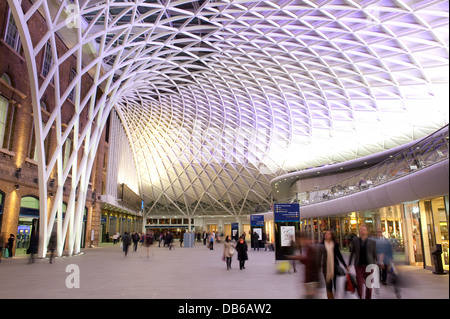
(226, 95)
(219, 97)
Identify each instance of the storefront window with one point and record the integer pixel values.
(414, 235)
(29, 210)
(440, 228)
(2, 196)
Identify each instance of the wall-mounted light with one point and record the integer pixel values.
(17, 187)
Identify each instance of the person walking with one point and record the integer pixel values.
(161, 239)
(264, 240)
(126, 242)
(241, 248)
(149, 237)
(52, 246)
(212, 235)
(330, 257)
(385, 255)
(170, 240)
(135, 238)
(11, 245)
(309, 257)
(115, 238)
(255, 241)
(33, 247)
(181, 239)
(364, 252)
(228, 251)
(205, 237)
(293, 251)
(2, 248)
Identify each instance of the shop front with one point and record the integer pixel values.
(28, 214)
(2, 200)
(416, 230)
(176, 226)
(346, 226)
(427, 228)
(113, 223)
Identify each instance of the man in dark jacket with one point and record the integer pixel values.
(135, 238)
(364, 252)
(255, 241)
(126, 242)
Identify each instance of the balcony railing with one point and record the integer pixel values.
(425, 153)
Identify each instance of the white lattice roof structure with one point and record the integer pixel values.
(219, 97)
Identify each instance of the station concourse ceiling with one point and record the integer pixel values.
(220, 97)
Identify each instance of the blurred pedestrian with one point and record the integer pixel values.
(161, 239)
(2, 247)
(126, 242)
(212, 235)
(228, 251)
(205, 237)
(364, 252)
(264, 240)
(115, 238)
(309, 257)
(11, 244)
(293, 251)
(255, 241)
(181, 239)
(135, 238)
(149, 237)
(52, 244)
(242, 248)
(33, 247)
(170, 240)
(331, 256)
(385, 255)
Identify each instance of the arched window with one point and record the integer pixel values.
(7, 118)
(32, 154)
(2, 204)
(12, 34)
(28, 216)
(29, 207)
(3, 118)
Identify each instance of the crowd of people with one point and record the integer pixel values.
(370, 262)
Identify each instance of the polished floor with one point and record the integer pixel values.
(180, 273)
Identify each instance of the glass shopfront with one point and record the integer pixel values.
(414, 229)
(2, 198)
(434, 217)
(414, 250)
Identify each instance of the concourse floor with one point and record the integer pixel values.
(180, 273)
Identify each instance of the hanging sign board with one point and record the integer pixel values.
(286, 222)
(235, 231)
(257, 225)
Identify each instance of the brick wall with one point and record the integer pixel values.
(14, 65)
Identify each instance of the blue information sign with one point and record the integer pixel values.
(235, 231)
(286, 212)
(257, 220)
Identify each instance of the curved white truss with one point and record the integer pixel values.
(219, 97)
